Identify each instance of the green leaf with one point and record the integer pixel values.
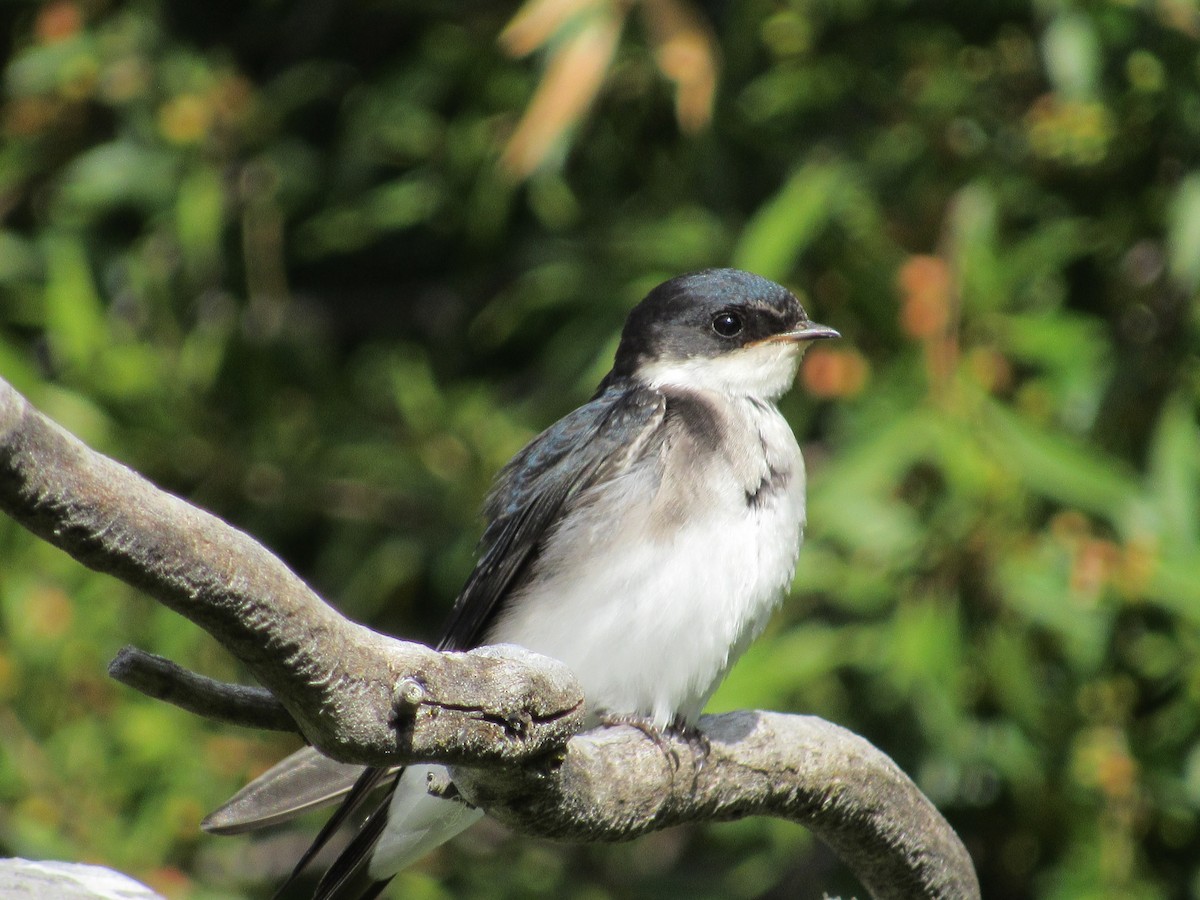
(774, 669)
(1059, 468)
(120, 173)
(854, 500)
(1061, 341)
(199, 217)
(781, 229)
(1072, 54)
(402, 203)
(19, 258)
(1183, 233)
(925, 647)
(1035, 586)
(973, 227)
(1174, 586)
(1175, 475)
(1010, 666)
(74, 313)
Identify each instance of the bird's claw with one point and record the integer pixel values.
(696, 739)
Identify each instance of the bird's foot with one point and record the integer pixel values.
(647, 727)
(696, 739)
(642, 723)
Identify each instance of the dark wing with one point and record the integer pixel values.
(578, 452)
(581, 450)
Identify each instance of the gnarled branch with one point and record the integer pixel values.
(336, 678)
(497, 712)
(800, 768)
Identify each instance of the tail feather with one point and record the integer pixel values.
(406, 823)
(418, 821)
(349, 877)
(363, 788)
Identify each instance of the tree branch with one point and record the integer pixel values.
(338, 680)
(362, 697)
(800, 768)
(236, 704)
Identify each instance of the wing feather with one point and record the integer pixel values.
(304, 781)
(581, 451)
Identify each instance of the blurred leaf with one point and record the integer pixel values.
(19, 258)
(403, 203)
(78, 414)
(1183, 233)
(121, 173)
(199, 218)
(1072, 54)
(973, 231)
(1010, 663)
(686, 52)
(1175, 476)
(1035, 586)
(923, 651)
(687, 239)
(772, 671)
(16, 369)
(855, 501)
(585, 40)
(1174, 587)
(1062, 341)
(780, 230)
(1056, 467)
(41, 69)
(74, 311)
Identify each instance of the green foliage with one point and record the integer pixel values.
(263, 253)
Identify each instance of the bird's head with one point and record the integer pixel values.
(720, 329)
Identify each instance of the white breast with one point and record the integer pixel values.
(656, 583)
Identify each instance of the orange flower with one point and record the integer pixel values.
(835, 373)
(57, 22)
(925, 282)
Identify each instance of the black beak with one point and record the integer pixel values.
(809, 331)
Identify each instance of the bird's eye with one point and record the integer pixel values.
(727, 324)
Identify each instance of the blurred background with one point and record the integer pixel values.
(322, 267)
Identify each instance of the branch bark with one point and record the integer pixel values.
(338, 680)
(614, 784)
(498, 714)
(235, 704)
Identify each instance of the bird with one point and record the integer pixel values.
(644, 540)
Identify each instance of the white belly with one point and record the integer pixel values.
(652, 615)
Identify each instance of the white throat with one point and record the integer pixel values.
(764, 371)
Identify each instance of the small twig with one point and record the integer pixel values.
(237, 704)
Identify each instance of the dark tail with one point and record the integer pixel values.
(358, 851)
